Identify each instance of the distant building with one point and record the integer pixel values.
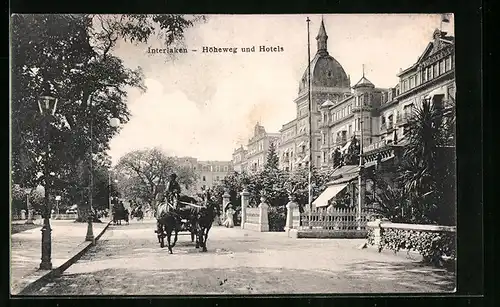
(209, 172)
(254, 157)
(213, 172)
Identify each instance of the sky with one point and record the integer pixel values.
(205, 105)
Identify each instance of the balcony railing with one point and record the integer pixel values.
(360, 108)
(373, 146)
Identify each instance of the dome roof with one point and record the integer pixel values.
(327, 103)
(326, 71)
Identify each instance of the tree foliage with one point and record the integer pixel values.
(73, 56)
(427, 171)
(143, 173)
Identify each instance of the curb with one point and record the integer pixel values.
(54, 273)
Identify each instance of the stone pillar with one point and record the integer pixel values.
(225, 200)
(245, 197)
(23, 214)
(291, 207)
(263, 217)
(30, 210)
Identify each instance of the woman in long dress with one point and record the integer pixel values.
(229, 223)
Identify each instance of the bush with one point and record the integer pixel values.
(431, 245)
(277, 218)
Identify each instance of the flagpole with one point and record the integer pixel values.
(310, 119)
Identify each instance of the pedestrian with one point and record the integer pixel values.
(229, 222)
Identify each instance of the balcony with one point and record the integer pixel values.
(360, 108)
(402, 119)
(387, 127)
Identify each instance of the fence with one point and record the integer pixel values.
(73, 216)
(326, 223)
(334, 219)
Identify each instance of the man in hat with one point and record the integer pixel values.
(173, 187)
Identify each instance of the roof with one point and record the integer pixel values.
(364, 82)
(327, 103)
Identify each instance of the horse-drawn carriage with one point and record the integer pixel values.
(184, 213)
(120, 213)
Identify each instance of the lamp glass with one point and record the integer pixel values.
(114, 122)
(47, 104)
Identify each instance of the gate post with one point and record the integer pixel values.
(263, 215)
(291, 206)
(244, 204)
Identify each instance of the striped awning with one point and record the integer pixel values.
(346, 146)
(329, 193)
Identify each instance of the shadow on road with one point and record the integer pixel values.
(434, 278)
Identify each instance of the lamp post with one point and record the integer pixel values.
(114, 122)
(47, 105)
(58, 198)
(28, 207)
(360, 179)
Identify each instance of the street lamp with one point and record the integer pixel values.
(58, 198)
(47, 106)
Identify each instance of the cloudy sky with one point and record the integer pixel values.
(204, 105)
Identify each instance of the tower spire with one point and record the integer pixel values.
(363, 70)
(322, 38)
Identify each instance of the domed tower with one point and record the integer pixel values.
(329, 81)
(326, 71)
(362, 108)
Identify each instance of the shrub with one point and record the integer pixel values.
(277, 218)
(431, 245)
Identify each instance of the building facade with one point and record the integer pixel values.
(329, 82)
(383, 116)
(254, 157)
(213, 172)
(209, 173)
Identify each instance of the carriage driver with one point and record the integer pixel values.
(173, 187)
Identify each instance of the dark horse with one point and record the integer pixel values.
(205, 218)
(182, 210)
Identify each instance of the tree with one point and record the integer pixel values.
(352, 155)
(73, 55)
(337, 158)
(145, 172)
(272, 162)
(427, 170)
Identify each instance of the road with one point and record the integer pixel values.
(128, 260)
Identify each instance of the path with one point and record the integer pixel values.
(129, 261)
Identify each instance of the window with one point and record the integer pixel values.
(226, 168)
(350, 129)
(204, 179)
(217, 178)
(424, 75)
(436, 70)
(349, 109)
(441, 67)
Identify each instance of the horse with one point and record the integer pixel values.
(166, 223)
(205, 218)
(119, 215)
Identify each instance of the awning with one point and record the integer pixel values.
(329, 193)
(346, 146)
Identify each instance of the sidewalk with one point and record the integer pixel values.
(68, 239)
